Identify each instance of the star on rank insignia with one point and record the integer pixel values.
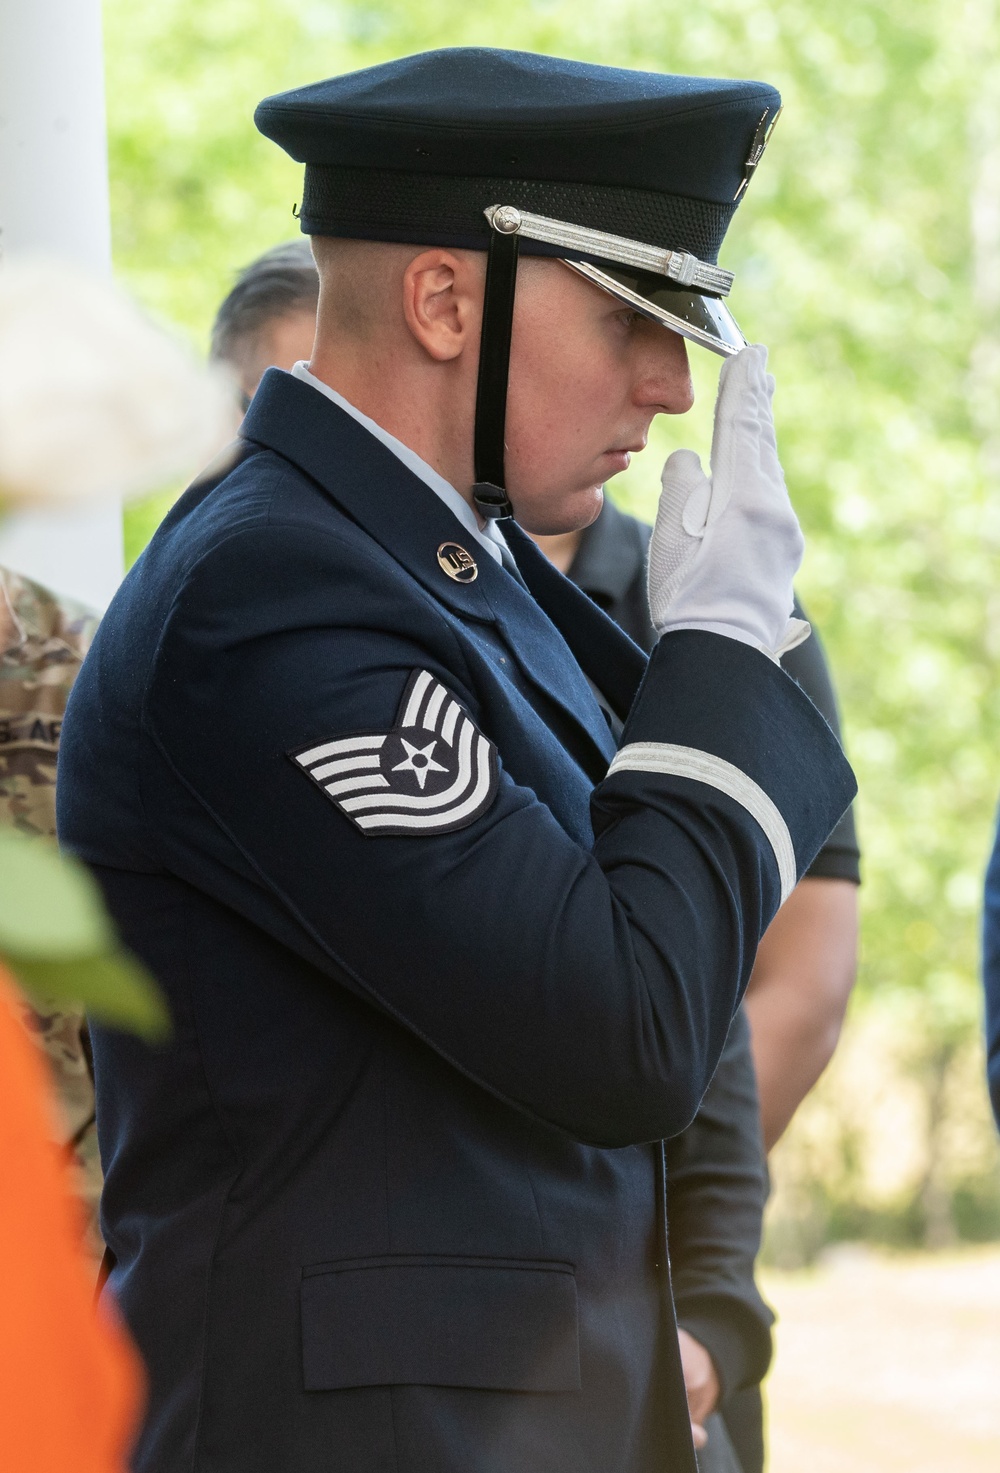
(433, 772)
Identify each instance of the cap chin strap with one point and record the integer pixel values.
(489, 491)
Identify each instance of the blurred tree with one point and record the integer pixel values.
(868, 258)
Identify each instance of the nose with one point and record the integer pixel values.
(665, 385)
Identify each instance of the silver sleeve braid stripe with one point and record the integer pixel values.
(715, 772)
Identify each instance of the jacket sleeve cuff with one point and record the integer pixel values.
(736, 1339)
(715, 711)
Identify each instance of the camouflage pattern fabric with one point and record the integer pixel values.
(43, 640)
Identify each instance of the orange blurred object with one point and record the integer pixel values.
(71, 1384)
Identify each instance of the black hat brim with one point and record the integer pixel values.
(704, 320)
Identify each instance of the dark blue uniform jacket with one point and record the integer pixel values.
(388, 1200)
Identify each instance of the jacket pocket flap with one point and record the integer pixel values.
(494, 1324)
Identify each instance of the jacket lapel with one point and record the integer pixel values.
(367, 481)
(606, 655)
(404, 516)
(545, 657)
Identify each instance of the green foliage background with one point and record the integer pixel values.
(868, 258)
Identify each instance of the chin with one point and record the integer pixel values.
(569, 512)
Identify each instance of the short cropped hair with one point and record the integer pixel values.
(282, 280)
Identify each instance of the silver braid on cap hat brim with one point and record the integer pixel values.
(678, 266)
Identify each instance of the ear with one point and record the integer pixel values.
(442, 302)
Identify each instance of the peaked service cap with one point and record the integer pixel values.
(631, 176)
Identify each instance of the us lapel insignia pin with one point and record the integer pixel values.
(457, 563)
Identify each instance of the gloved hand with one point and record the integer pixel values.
(725, 549)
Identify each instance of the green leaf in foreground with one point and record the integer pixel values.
(56, 938)
(50, 906)
(114, 989)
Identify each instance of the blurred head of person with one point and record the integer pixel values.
(268, 320)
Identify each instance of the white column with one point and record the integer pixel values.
(54, 199)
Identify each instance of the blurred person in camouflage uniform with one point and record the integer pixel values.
(43, 639)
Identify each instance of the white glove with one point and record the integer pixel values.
(724, 550)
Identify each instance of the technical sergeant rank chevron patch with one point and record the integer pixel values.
(432, 773)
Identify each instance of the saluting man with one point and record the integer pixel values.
(446, 963)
